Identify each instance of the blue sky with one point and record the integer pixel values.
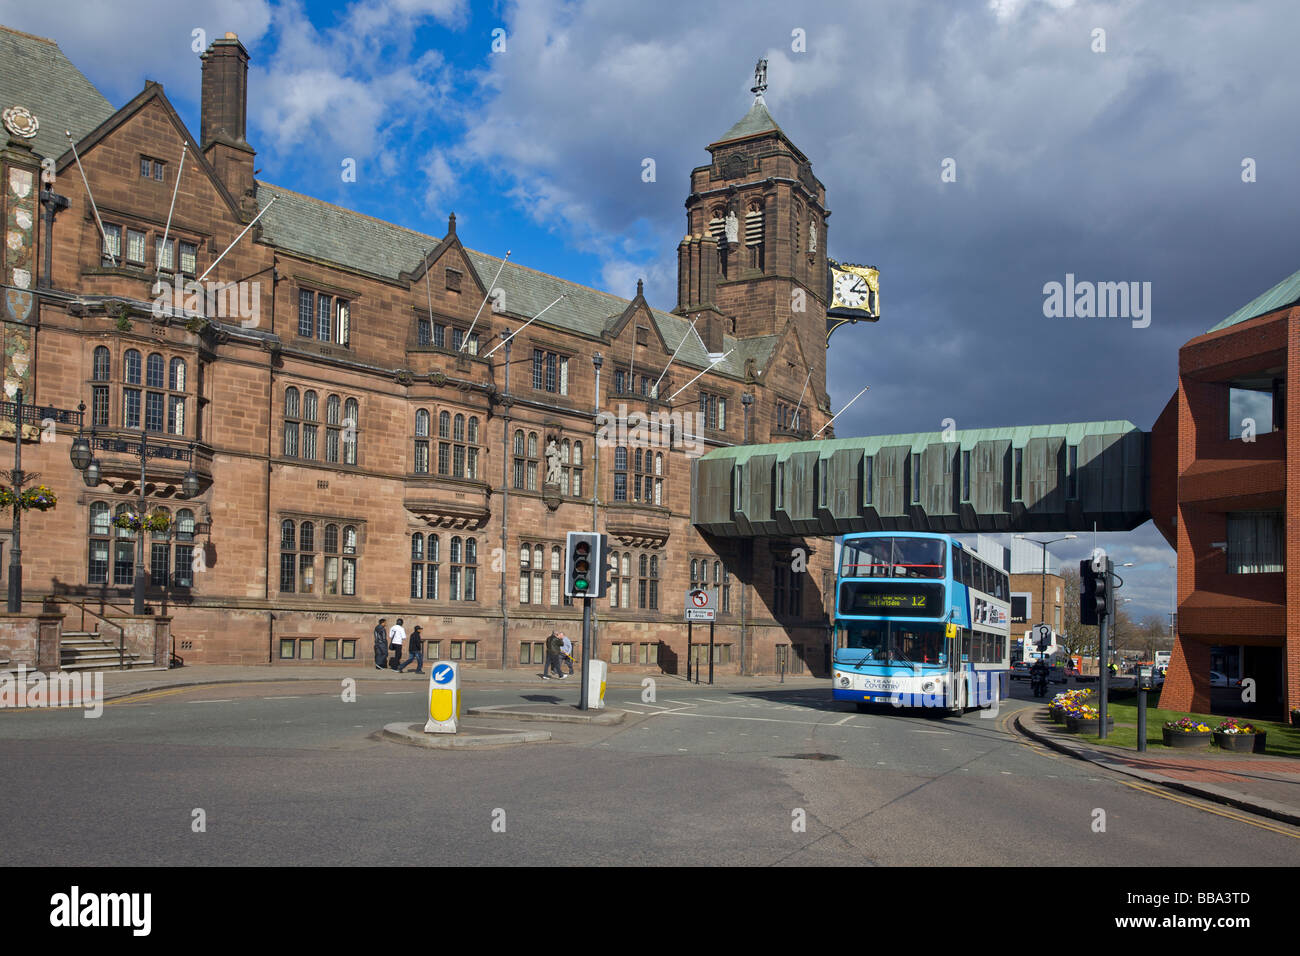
(1118, 163)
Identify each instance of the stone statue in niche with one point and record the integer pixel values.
(552, 462)
(812, 236)
(732, 226)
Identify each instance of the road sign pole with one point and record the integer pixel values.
(586, 652)
(710, 653)
(690, 630)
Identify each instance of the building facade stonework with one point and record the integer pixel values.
(367, 447)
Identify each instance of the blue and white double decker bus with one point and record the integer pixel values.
(920, 621)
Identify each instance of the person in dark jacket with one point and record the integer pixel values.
(381, 644)
(416, 641)
(553, 646)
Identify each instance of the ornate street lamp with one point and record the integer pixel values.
(91, 476)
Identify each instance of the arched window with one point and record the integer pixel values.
(307, 536)
(421, 423)
(183, 562)
(292, 412)
(613, 584)
(458, 428)
(519, 442)
(124, 551)
(620, 473)
(577, 454)
(176, 375)
(349, 575)
(754, 234)
(422, 420)
(309, 415)
(131, 365)
(351, 414)
(100, 530)
(154, 371)
(654, 582)
(565, 452)
(473, 430)
(417, 569)
(160, 554)
(102, 365)
(306, 559)
(444, 424)
(287, 536)
(332, 434)
(532, 444)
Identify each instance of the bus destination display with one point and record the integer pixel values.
(892, 599)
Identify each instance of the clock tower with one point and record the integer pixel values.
(754, 256)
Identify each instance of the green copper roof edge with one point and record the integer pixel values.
(1285, 293)
(966, 440)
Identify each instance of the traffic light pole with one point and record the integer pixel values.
(586, 653)
(1102, 626)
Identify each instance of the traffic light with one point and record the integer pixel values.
(1104, 590)
(586, 557)
(1087, 593)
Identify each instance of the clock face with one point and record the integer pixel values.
(851, 290)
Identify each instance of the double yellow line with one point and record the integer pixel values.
(1240, 817)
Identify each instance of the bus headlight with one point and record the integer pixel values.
(929, 687)
(844, 680)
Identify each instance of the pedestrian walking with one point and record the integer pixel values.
(566, 652)
(553, 646)
(381, 644)
(416, 650)
(396, 638)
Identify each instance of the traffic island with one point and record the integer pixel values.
(478, 739)
(564, 713)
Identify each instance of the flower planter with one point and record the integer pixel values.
(1091, 728)
(1179, 740)
(1240, 743)
(1295, 718)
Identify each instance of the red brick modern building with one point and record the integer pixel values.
(1224, 467)
(363, 448)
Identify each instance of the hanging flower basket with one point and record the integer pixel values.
(39, 498)
(127, 521)
(1186, 733)
(158, 521)
(1238, 737)
(130, 521)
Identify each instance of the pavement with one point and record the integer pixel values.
(1257, 783)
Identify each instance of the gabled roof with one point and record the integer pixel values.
(757, 120)
(1286, 292)
(331, 233)
(34, 73)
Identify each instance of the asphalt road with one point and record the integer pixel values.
(290, 773)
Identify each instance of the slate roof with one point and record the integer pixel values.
(1286, 292)
(34, 73)
(757, 120)
(331, 233)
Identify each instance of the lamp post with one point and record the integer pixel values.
(83, 448)
(1042, 606)
(746, 400)
(20, 415)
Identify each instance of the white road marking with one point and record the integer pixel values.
(631, 711)
(224, 700)
(294, 697)
(399, 692)
(841, 723)
(931, 731)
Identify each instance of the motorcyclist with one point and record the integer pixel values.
(1038, 677)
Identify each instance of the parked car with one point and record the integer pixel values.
(1218, 680)
(1020, 670)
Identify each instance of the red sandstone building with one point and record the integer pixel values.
(363, 448)
(1224, 467)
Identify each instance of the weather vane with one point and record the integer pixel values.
(760, 78)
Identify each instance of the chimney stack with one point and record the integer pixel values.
(224, 118)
